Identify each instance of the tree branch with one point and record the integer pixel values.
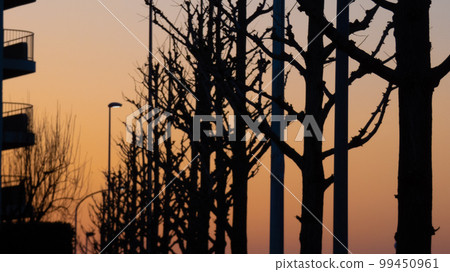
(372, 64)
(386, 4)
(259, 11)
(439, 72)
(328, 182)
(364, 136)
(357, 25)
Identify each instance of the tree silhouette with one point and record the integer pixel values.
(209, 69)
(198, 203)
(318, 103)
(416, 80)
(51, 171)
(210, 50)
(316, 183)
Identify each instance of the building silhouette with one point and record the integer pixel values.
(16, 119)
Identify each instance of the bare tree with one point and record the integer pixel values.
(235, 87)
(318, 104)
(53, 171)
(416, 80)
(209, 59)
(194, 204)
(210, 51)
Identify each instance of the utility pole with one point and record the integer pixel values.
(340, 212)
(149, 153)
(150, 50)
(276, 156)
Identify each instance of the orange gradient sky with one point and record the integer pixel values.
(86, 59)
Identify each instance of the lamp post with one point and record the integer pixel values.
(340, 211)
(276, 156)
(149, 86)
(110, 106)
(76, 214)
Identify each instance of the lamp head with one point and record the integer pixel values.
(114, 105)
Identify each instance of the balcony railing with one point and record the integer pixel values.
(17, 37)
(13, 109)
(11, 180)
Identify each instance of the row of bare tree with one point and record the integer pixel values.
(160, 203)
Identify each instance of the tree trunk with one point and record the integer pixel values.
(167, 196)
(312, 172)
(221, 173)
(193, 203)
(240, 159)
(313, 195)
(415, 196)
(156, 181)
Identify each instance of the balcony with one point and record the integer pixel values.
(8, 4)
(14, 202)
(17, 125)
(18, 53)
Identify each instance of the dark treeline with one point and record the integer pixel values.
(206, 202)
(416, 81)
(189, 195)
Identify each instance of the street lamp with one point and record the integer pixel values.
(110, 106)
(76, 214)
(78, 205)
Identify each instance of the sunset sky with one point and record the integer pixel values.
(86, 59)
